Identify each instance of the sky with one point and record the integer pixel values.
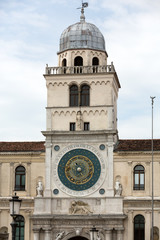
(29, 39)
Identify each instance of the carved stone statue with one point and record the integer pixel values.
(118, 189)
(79, 121)
(40, 189)
(155, 233)
(59, 235)
(79, 207)
(98, 237)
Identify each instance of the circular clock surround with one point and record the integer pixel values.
(80, 170)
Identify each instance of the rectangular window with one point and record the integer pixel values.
(86, 126)
(72, 126)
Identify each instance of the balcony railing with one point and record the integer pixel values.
(80, 69)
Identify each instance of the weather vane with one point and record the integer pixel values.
(84, 5)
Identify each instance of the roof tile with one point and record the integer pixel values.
(137, 145)
(22, 146)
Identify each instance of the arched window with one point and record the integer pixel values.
(20, 227)
(73, 95)
(78, 61)
(85, 95)
(95, 61)
(139, 227)
(20, 174)
(64, 63)
(138, 178)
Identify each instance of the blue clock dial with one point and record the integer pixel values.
(79, 169)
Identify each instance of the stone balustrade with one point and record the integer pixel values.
(80, 69)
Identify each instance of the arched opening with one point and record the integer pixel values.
(73, 101)
(64, 64)
(95, 63)
(78, 63)
(85, 95)
(78, 238)
(139, 227)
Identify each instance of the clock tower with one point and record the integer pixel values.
(81, 130)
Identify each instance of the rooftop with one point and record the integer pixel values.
(22, 146)
(122, 145)
(137, 145)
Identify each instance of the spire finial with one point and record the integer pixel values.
(84, 5)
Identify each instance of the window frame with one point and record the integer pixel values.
(140, 233)
(86, 126)
(20, 228)
(72, 126)
(73, 96)
(141, 177)
(20, 178)
(85, 95)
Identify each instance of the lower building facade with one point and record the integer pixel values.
(125, 215)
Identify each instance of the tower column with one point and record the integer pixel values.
(119, 234)
(108, 234)
(47, 234)
(36, 234)
(47, 192)
(110, 167)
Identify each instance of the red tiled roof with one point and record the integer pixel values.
(122, 145)
(137, 145)
(22, 146)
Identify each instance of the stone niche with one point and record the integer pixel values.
(4, 235)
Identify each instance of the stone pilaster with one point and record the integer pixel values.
(48, 167)
(110, 166)
(147, 225)
(119, 234)
(12, 179)
(114, 235)
(108, 234)
(36, 234)
(49, 119)
(28, 189)
(130, 225)
(130, 179)
(47, 235)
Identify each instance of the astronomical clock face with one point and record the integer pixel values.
(79, 172)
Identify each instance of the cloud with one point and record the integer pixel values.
(30, 33)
